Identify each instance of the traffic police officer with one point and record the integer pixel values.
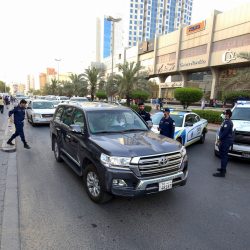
(225, 142)
(144, 114)
(167, 124)
(19, 115)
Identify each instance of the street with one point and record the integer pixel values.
(56, 213)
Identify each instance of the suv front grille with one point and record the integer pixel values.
(160, 164)
(242, 137)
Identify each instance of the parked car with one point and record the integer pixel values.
(40, 111)
(189, 127)
(79, 99)
(115, 151)
(241, 120)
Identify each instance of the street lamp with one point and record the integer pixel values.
(58, 61)
(113, 20)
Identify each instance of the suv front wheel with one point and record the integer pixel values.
(93, 185)
(57, 151)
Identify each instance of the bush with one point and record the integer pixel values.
(101, 95)
(140, 94)
(135, 107)
(210, 115)
(188, 95)
(234, 96)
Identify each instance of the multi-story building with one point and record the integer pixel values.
(30, 83)
(150, 18)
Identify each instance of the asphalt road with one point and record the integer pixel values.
(56, 213)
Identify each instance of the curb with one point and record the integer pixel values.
(7, 134)
(10, 228)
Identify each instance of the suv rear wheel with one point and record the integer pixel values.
(203, 137)
(93, 185)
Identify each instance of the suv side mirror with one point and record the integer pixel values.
(150, 124)
(188, 124)
(76, 129)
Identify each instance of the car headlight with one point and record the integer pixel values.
(183, 151)
(114, 161)
(36, 115)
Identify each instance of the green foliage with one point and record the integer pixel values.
(233, 96)
(135, 107)
(3, 87)
(140, 94)
(210, 115)
(188, 95)
(244, 55)
(101, 94)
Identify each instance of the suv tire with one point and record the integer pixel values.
(203, 137)
(94, 186)
(57, 151)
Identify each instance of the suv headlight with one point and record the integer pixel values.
(183, 151)
(37, 115)
(115, 161)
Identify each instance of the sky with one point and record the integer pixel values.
(33, 33)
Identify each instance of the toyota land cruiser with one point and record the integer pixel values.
(115, 151)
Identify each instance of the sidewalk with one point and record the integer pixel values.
(9, 218)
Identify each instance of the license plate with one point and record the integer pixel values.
(165, 185)
(246, 155)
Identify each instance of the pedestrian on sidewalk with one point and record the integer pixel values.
(1, 104)
(7, 101)
(167, 124)
(225, 142)
(19, 115)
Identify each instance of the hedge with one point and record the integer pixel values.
(135, 107)
(233, 96)
(210, 115)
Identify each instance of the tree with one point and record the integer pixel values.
(130, 79)
(92, 76)
(54, 86)
(3, 87)
(111, 87)
(188, 95)
(79, 85)
(141, 95)
(101, 94)
(234, 96)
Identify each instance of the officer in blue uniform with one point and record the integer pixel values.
(19, 115)
(144, 114)
(225, 142)
(167, 124)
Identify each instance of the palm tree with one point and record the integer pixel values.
(92, 76)
(111, 87)
(53, 86)
(130, 79)
(79, 85)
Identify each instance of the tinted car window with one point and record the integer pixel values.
(58, 114)
(43, 105)
(67, 116)
(78, 118)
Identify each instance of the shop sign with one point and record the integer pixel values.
(196, 27)
(166, 67)
(171, 85)
(192, 63)
(229, 56)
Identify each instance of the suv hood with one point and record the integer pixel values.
(43, 111)
(135, 144)
(241, 125)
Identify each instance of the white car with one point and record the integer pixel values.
(189, 127)
(40, 111)
(241, 121)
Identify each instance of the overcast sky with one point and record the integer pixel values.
(35, 32)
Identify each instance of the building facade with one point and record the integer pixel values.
(150, 18)
(207, 55)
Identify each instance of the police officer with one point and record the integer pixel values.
(167, 124)
(19, 115)
(225, 142)
(144, 114)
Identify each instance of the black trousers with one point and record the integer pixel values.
(1, 108)
(19, 132)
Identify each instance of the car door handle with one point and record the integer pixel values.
(68, 136)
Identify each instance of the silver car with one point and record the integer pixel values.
(40, 111)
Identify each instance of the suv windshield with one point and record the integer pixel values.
(177, 118)
(114, 121)
(43, 105)
(241, 114)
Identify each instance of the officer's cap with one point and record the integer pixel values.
(166, 110)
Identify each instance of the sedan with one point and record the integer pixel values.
(189, 127)
(40, 111)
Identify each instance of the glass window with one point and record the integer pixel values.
(67, 116)
(78, 118)
(241, 114)
(43, 105)
(58, 114)
(135, 16)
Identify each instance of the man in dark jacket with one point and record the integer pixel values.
(225, 142)
(145, 115)
(167, 124)
(19, 115)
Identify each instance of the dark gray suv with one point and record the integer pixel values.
(115, 151)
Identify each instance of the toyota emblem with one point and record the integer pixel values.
(163, 161)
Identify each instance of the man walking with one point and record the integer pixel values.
(1, 104)
(225, 142)
(167, 124)
(19, 115)
(144, 114)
